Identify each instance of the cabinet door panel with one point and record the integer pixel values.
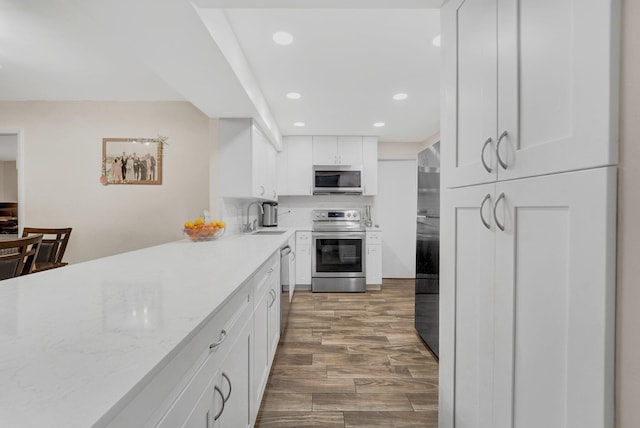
(300, 165)
(350, 150)
(469, 91)
(325, 150)
(555, 301)
(466, 308)
(558, 85)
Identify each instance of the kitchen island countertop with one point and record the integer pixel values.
(75, 341)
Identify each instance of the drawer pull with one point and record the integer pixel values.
(270, 270)
(215, 418)
(224, 376)
(223, 336)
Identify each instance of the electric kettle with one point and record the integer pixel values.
(270, 214)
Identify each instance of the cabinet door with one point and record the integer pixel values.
(235, 410)
(274, 320)
(260, 170)
(303, 264)
(557, 86)
(272, 172)
(469, 92)
(282, 161)
(325, 150)
(350, 150)
(374, 264)
(555, 284)
(370, 165)
(466, 307)
(202, 415)
(300, 165)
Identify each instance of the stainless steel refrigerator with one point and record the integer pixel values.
(428, 247)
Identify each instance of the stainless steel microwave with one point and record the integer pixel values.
(332, 179)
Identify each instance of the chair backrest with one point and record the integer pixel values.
(17, 256)
(54, 243)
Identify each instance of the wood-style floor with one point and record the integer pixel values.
(352, 360)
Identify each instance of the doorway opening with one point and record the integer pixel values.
(11, 189)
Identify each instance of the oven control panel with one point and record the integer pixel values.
(336, 215)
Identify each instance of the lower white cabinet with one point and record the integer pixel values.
(303, 258)
(373, 260)
(266, 330)
(527, 302)
(232, 356)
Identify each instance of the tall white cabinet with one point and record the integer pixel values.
(529, 147)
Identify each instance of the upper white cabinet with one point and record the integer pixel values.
(247, 161)
(343, 150)
(370, 165)
(529, 88)
(295, 166)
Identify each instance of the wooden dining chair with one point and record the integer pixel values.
(17, 256)
(54, 244)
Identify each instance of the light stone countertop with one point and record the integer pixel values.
(74, 341)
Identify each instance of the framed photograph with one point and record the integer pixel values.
(131, 161)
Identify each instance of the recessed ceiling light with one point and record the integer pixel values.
(400, 96)
(378, 124)
(282, 38)
(298, 124)
(293, 95)
(436, 41)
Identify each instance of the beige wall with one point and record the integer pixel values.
(8, 181)
(62, 165)
(387, 150)
(628, 286)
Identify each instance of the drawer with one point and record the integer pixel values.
(169, 384)
(374, 237)
(264, 276)
(303, 238)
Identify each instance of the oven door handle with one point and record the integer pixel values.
(338, 235)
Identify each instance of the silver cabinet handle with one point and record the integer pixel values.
(274, 194)
(261, 190)
(484, 164)
(495, 207)
(215, 418)
(223, 336)
(272, 294)
(224, 376)
(270, 270)
(486, 224)
(502, 163)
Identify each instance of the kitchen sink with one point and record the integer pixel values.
(269, 232)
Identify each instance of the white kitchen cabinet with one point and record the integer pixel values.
(553, 107)
(342, 150)
(247, 161)
(266, 328)
(295, 166)
(527, 302)
(370, 165)
(303, 258)
(231, 404)
(373, 261)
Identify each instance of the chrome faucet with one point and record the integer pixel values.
(248, 227)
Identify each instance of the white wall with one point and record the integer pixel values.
(8, 181)
(396, 206)
(628, 283)
(62, 166)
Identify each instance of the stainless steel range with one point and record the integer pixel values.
(338, 258)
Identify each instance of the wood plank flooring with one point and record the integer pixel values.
(352, 360)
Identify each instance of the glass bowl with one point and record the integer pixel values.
(206, 233)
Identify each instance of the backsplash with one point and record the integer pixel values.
(295, 211)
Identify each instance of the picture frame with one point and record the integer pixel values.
(132, 161)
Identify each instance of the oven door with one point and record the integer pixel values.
(338, 254)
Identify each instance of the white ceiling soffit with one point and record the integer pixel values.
(173, 42)
(322, 4)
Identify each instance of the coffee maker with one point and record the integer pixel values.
(270, 214)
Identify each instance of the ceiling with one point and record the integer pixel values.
(347, 59)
